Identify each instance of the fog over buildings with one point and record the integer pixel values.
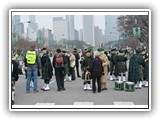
(91, 29)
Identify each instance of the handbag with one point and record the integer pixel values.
(73, 63)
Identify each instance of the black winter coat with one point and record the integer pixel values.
(96, 68)
(47, 69)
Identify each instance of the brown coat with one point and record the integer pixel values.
(105, 62)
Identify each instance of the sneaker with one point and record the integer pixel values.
(70, 78)
(46, 88)
(43, 87)
(63, 89)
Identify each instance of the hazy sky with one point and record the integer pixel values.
(47, 21)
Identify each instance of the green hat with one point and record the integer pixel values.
(87, 50)
(139, 50)
(100, 49)
(114, 49)
(121, 51)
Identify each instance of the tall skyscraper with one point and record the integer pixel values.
(60, 28)
(32, 29)
(81, 35)
(17, 26)
(111, 33)
(76, 34)
(88, 29)
(70, 19)
(98, 36)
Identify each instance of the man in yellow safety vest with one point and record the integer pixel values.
(33, 64)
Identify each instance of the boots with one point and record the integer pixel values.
(47, 87)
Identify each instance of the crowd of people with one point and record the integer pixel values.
(95, 68)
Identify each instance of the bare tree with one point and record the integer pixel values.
(126, 24)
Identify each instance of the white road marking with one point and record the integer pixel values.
(52, 81)
(45, 103)
(123, 103)
(83, 103)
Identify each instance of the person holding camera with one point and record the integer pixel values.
(105, 62)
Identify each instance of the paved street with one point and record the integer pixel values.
(74, 94)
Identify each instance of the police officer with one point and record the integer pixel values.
(84, 67)
(33, 63)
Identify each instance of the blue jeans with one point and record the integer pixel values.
(31, 72)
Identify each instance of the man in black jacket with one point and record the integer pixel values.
(59, 62)
(96, 70)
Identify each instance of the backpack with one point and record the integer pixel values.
(59, 62)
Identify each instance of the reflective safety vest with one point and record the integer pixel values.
(31, 57)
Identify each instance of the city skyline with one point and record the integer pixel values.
(71, 27)
(99, 20)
